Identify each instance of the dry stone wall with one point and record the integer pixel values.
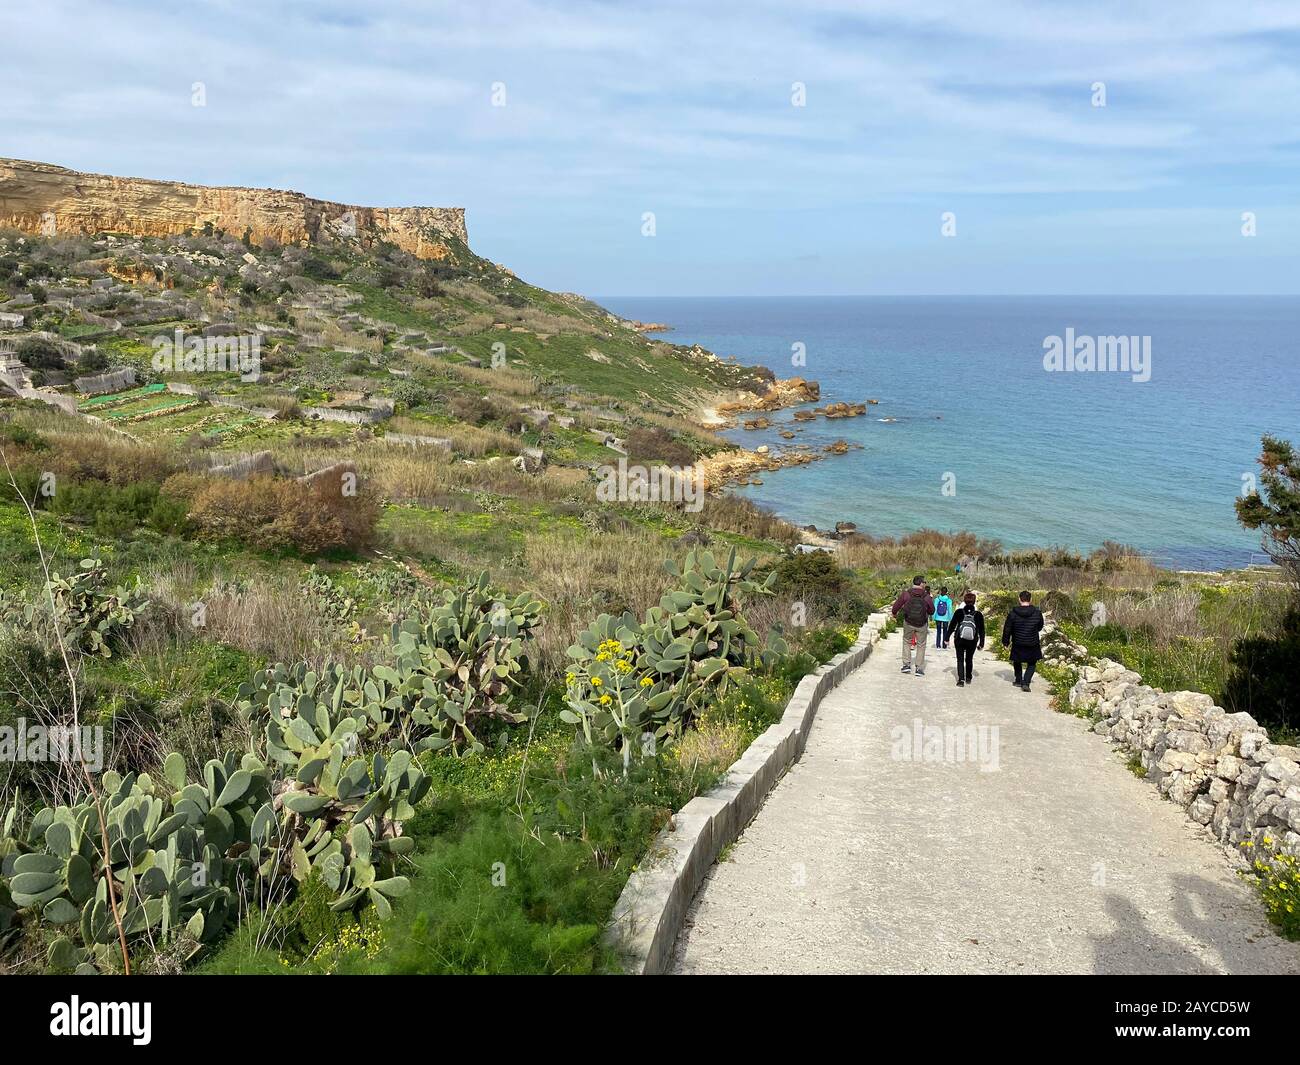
(1221, 767)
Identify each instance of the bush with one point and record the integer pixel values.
(1262, 678)
(275, 514)
(474, 410)
(40, 354)
(22, 438)
(658, 445)
(410, 394)
(825, 644)
(1276, 877)
(92, 361)
(319, 269)
(818, 578)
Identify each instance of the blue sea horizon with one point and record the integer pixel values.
(973, 433)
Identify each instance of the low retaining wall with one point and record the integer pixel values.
(265, 413)
(1220, 767)
(649, 913)
(350, 417)
(103, 384)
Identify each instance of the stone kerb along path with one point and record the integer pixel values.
(928, 828)
(649, 912)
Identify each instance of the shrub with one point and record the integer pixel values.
(319, 269)
(40, 353)
(411, 394)
(92, 361)
(659, 445)
(116, 511)
(1262, 677)
(21, 437)
(1276, 877)
(474, 410)
(825, 644)
(274, 514)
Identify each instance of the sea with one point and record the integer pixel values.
(991, 417)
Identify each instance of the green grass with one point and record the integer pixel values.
(98, 402)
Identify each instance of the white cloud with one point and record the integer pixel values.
(612, 106)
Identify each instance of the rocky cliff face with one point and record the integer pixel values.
(40, 198)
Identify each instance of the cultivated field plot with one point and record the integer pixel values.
(96, 404)
(150, 406)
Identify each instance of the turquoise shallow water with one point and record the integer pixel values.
(1035, 457)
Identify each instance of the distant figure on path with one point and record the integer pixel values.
(916, 606)
(957, 568)
(942, 617)
(1020, 632)
(968, 633)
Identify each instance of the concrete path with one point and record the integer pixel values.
(1034, 850)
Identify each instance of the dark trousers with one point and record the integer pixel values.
(965, 658)
(940, 632)
(1028, 670)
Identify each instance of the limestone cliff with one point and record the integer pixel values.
(41, 198)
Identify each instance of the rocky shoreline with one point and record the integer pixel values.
(782, 393)
(738, 466)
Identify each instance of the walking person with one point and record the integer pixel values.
(1020, 633)
(916, 607)
(967, 634)
(942, 618)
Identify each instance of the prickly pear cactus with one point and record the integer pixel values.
(461, 666)
(177, 852)
(458, 667)
(632, 683)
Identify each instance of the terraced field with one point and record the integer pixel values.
(99, 403)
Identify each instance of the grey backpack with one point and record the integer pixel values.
(966, 629)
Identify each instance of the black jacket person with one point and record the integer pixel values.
(1020, 633)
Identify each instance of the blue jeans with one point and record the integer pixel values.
(940, 633)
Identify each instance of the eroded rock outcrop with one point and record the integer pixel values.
(42, 198)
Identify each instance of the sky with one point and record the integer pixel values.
(812, 147)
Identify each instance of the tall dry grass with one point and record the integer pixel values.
(266, 616)
(335, 336)
(924, 549)
(583, 575)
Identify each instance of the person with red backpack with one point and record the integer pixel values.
(916, 608)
